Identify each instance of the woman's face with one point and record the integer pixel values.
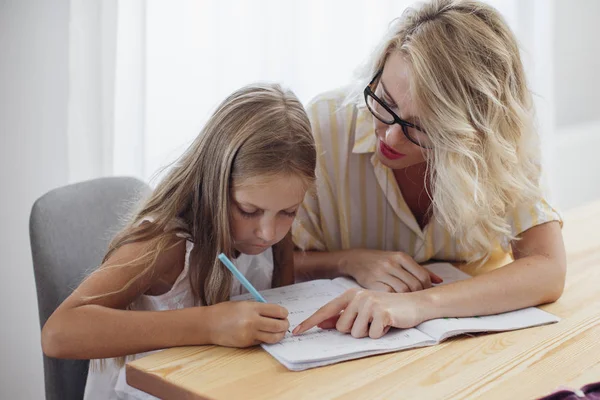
(262, 210)
(394, 149)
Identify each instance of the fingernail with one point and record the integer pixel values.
(296, 329)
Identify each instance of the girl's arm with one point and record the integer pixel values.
(102, 328)
(536, 276)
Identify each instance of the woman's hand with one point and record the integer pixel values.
(386, 271)
(247, 323)
(366, 313)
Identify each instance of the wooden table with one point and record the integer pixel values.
(511, 365)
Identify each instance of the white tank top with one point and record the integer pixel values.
(109, 383)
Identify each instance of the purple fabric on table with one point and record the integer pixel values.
(588, 392)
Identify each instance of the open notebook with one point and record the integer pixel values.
(318, 347)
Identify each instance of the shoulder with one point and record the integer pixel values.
(129, 271)
(166, 252)
(336, 95)
(330, 114)
(329, 102)
(530, 214)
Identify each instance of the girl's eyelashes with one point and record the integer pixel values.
(247, 214)
(258, 213)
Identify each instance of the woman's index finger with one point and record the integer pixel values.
(329, 310)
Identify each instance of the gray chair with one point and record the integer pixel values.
(70, 228)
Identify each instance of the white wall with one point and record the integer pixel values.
(577, 61)
(572, 160)
(33, 159)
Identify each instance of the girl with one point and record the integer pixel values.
(235, 190)
(435, 157)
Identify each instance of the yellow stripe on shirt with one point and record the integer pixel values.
(352, 208)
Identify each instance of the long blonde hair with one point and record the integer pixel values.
(259, 130)
(469, 87)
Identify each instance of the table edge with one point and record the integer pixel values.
(157, 386)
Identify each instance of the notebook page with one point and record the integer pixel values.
(442, 328)
(346, 283)
(301, 301)
(301, 366)
(320, 345)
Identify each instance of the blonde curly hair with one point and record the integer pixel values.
(468, 83)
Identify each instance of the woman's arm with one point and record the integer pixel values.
(536, 276)
(310, 265)
(385, 271)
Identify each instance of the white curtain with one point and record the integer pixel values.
(92, 33)
(106, 64)
(145, 75)
(197, 52)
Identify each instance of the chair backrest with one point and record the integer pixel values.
(70, 228)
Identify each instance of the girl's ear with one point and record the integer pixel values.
(283, 262)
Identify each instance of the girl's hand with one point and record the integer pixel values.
(386, 271)
(366, 313)
(247, 323)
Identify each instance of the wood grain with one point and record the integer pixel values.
(522, 364)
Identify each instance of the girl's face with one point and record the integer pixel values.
(394, 150)
(262, 210)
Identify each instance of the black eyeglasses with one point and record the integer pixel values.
(382, 111)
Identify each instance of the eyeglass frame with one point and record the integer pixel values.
(368, 92)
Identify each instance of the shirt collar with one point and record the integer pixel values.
(364, 133)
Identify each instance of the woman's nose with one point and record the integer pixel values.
(394, 134)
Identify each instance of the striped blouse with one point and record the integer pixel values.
(357, 203)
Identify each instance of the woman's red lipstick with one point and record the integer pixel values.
(388, 152)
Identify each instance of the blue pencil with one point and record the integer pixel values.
(241, 278)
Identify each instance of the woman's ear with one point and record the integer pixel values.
(283, 262)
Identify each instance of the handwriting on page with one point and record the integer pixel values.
(337, 338)
(318, 344)
(301, 301)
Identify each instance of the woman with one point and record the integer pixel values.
(435, 157)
